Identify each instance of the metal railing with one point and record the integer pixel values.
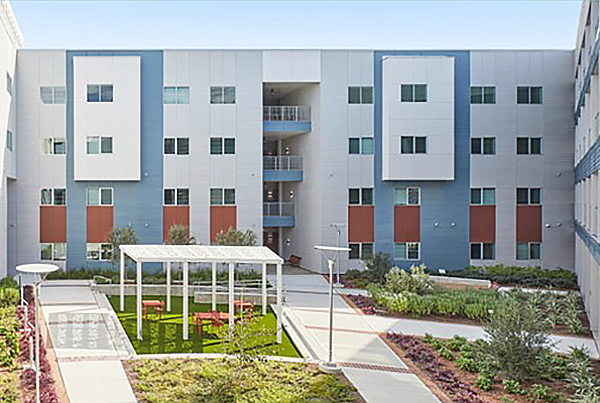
(278, 209)
(282, 163)
(286, 113)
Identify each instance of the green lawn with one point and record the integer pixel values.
(166, 335)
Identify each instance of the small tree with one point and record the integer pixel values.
(235, 237)
(378, 265)
(179, 234)
(117, 237)
(248, 338)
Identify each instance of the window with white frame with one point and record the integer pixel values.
(222, 95)
(53, 95)
(360, 196)
(413, 145)
(99, 196)
(483, 145)
(99, 92)
(54, 146)
(179, 197)
(413, 93)
(220, 196)
(99, 145)
(360, 95)
(53, 251)
(220, 146)
(98, 251)
(177, 146)
(176, 95)
(483, 251)
(529, 196)
(485, 196)
(529, 251)
(410, 196)
(530, 95)
(483, 95)
(53, 197)
(360, 145)
(407, 251)
(362, 250)
(9, 140)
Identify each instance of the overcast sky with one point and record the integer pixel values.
(473, 24)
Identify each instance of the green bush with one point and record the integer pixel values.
(428, 338)
(466, 364)
(540, 392)
(377, 266)
(456, 342)
(9, 297)
(446, 353)
(581, 377)
(513, 387)
(525, 276)
(484, 382)
(8, 282)
(417, 281)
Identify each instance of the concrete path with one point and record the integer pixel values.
(375, 370)
(86, 342)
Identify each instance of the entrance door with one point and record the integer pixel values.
(271, 240)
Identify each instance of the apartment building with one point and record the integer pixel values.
(447, 158)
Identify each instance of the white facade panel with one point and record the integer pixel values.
(290, 66)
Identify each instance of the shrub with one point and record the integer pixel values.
(540, 392)
(484, 382)
(9, 282)
(526, 276)
(378, 265)
(417, 281)
(581, 377)
(428, 338)
(446, 353)
(9, 297)
(466, 364)
(456, 342)
(573, 312)
(513, 387)
(517, 336)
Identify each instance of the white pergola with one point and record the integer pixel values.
(186, 254)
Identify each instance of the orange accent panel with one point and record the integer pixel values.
(529, 224)
(222, 218)
(99, 223)
(53, 224)
(482, 224)
(360, 224)
(407, 223)
(175, 215)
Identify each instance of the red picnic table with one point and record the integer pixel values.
(242, 305)
(156, 304)
(216, 319)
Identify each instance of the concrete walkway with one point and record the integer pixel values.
(86, 342)
(375, 370)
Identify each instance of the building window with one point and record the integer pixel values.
(407, 251)
(222, 95)
(530, 95)
(362, 196)
(529, 145)
(53, 251)
(361, 145)
(407, 196)
(529, 196)
(57, 146)
(413, 93)
(169, 146)
(176, 95)
(9, 140)
(483, 145)
(229, 146)
(360, 250)
(220, 196)
(183, 146)
(183, 197)
(9, 84)
(529, 251)
(483, 251)
(354, 145)
(413, 145)
(169, 197)
(483, 95)
(53, 197)
(219, 145)
(100, 196)
(99, 145)
(180, 197)
(53, 95)
(99, 93)
(99, 251)
(360, 95)
(484, 196)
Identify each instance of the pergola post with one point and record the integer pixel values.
(139, 299)
(186, 301)
(168, 286)
(279, 302)
(264, 288)
(122, 282)
(231, 297)
(214, 286)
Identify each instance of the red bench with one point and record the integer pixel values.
(293, 260)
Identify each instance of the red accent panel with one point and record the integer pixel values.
(482, 224)
(529, 224)
(99, 223)
(360, 224)
(222, 218)
(53, 224)
(175, 215)
(407, 224)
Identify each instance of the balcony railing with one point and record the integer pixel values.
(282, 163)
(286, 113)
(278, 209)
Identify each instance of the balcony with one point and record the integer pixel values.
(278, 214)
(283, 168)
(284, 121)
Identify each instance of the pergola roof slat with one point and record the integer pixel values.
(201, 253)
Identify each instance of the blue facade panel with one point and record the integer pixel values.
(285, 221)
(137, 204)
(443, 202)
(282, 176)
(287, 127)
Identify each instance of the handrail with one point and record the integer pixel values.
(286, 113)
(282, 163)
(278, 209)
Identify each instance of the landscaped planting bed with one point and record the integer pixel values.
(459, 371)
(234, 380)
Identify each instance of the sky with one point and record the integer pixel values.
(475, 24)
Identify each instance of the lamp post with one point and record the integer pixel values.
(41, 270)
(338, 227)
(330, 366)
